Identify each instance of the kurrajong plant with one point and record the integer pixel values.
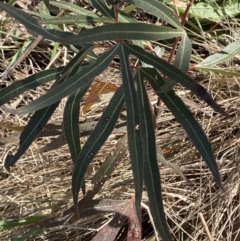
(73, 81)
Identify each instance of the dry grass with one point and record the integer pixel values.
(40, 184)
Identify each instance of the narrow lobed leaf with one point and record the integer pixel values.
(39, 119)
(32, 25)
(79, 80)
(72, 110)
(131, 31)
(96, 140)
(28, 83)
(70, 123)
(186, 119)
(134, 142)
(30, 132)
(175, 74)
(80, 20)
(151, 172)
(101, 6)
(159, 10)
(181, 61)
(74, 8)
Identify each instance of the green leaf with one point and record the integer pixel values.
(101, 6)
(124, 18)
(85, 21)
(181, 61)
(74, 8)
(175, 74)
(70, 122)
(151, 172)
(134, 142)
(41, 16)
(227, 53)
(133, 31)
(72, 110)
(29, 83)
(43, 9)
(31, 24)
(184, 116)
(79, 80)
(82, 53)
(40, 118)
(30, 132)
(159, 10)
(96, 140)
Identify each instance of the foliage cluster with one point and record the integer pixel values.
(139, 67)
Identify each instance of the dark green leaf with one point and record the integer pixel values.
(85, 21)
(29, 83)
(101, 6)
(96, 140)
(82, 53)
(186, 119)
(31, 24)
(79, 80)
(44, 12)
(159, 10)
(175, 74)
(39, 119)
(30, 132)
(132, 31)
(70, 122)
(72, 109)
(151, 172)
(74, 8)
(134, 142)
(106, 169)
(181, 61)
